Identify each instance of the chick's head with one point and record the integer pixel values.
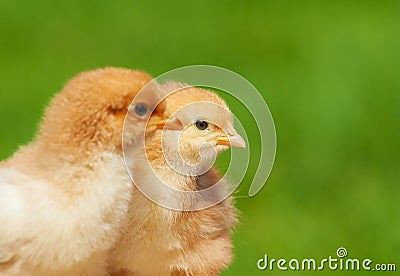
(207, 125)
(90, 110)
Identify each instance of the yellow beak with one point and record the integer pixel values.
(170, 124)
(232, 141)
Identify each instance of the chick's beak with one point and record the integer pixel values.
(169, 123)
(234, 140)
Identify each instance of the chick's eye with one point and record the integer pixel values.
(202, 125)
(140, 109)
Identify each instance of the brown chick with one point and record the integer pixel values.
(161, 241)
(64, 196)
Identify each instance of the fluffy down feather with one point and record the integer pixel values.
(64, 196)
(159, 241)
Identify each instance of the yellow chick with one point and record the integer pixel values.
(64, 196)
(161, 241)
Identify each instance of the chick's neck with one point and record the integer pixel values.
(169, 169)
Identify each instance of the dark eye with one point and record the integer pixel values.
(140, 109)
(202, 125)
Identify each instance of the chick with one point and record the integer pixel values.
(161, 241)
(64, 196)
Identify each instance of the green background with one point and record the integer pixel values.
(329, 71)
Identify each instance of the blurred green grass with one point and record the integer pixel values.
(329, 71)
